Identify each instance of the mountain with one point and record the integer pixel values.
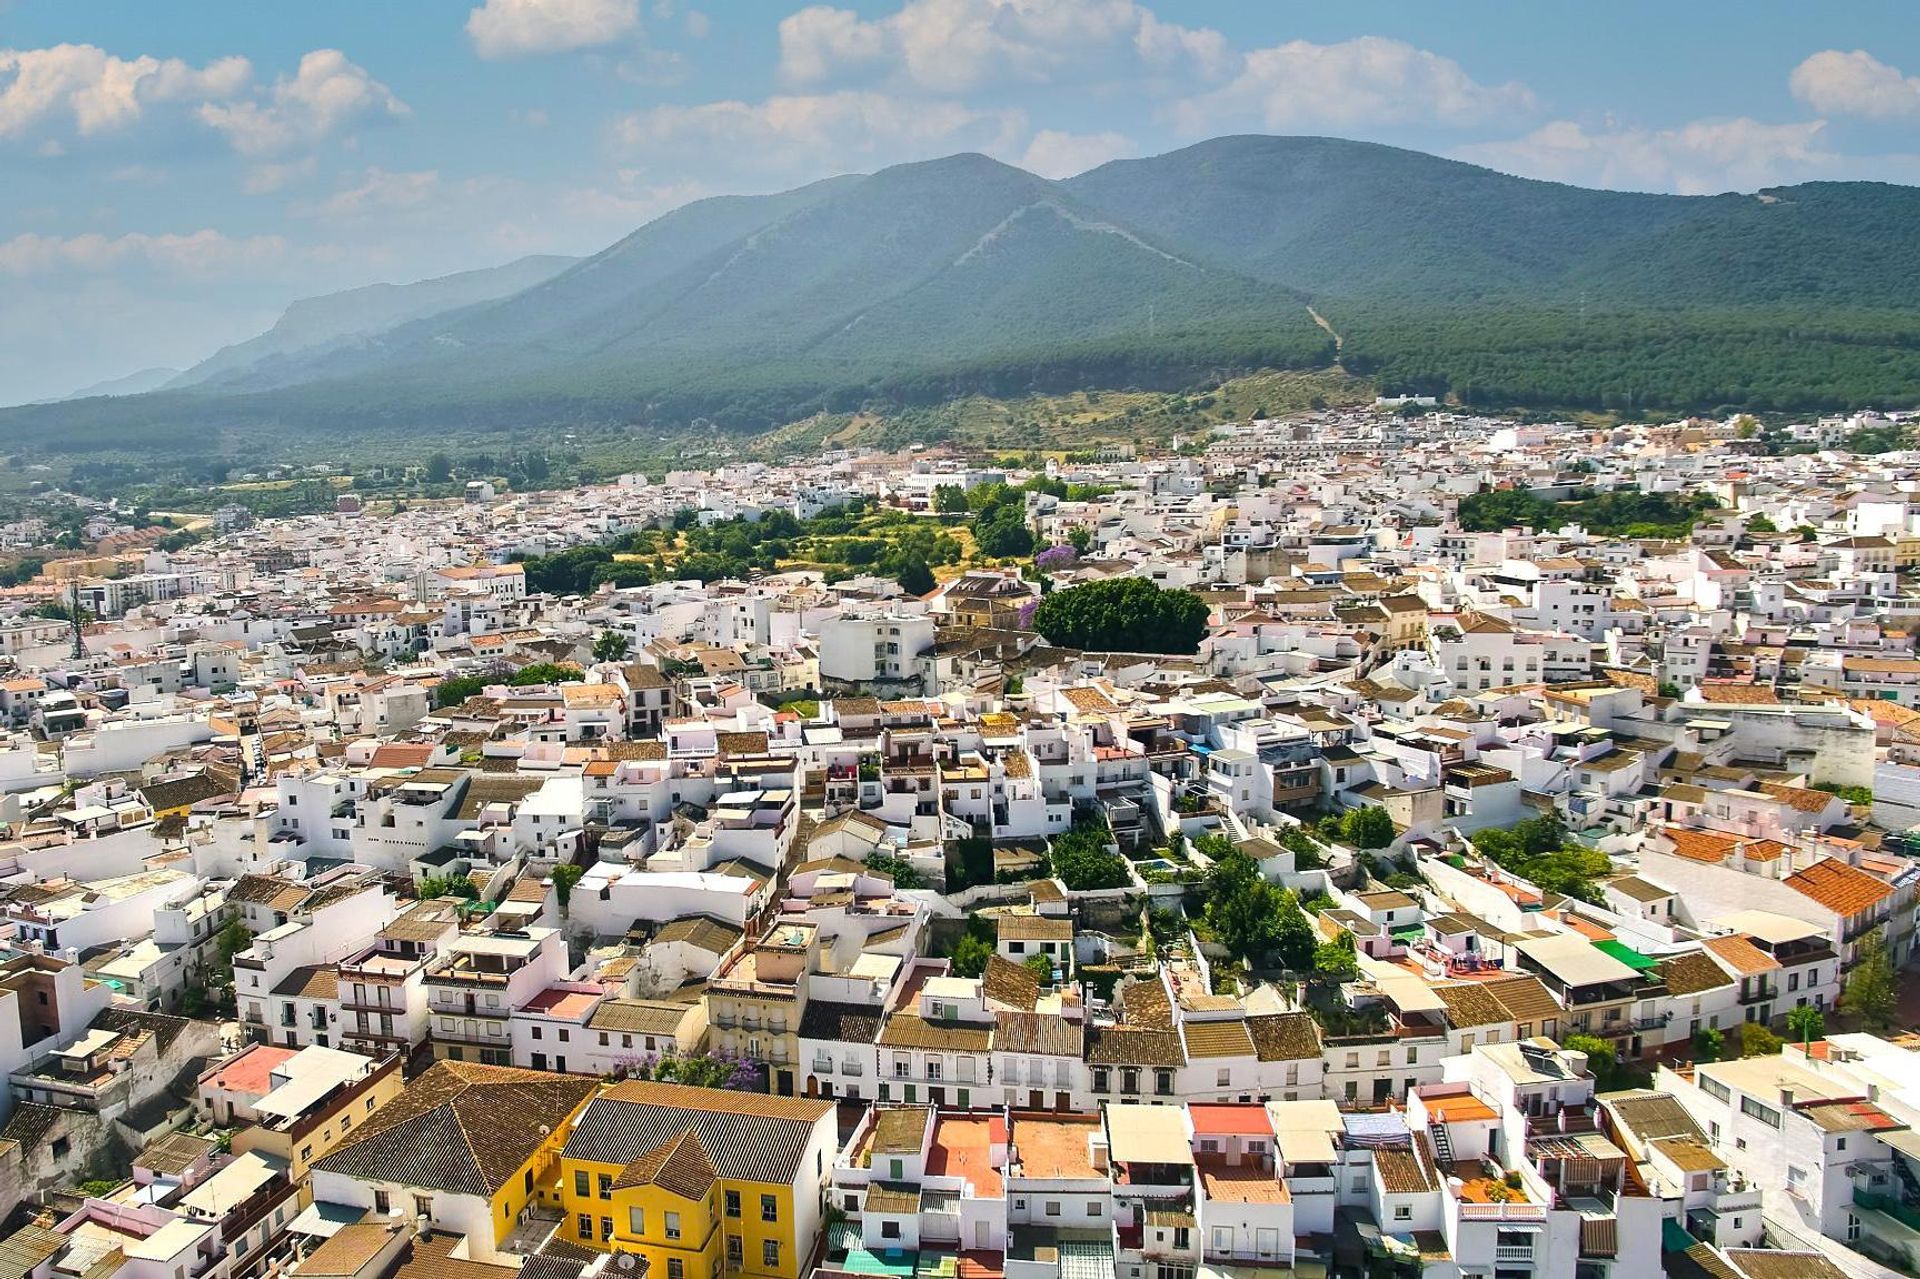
(131, 384)
(317, 324)
(1359, 220)
(949, 277)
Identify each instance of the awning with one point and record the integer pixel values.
(1627, 955)
(1674, 1236)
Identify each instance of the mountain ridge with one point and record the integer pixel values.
(942, 277)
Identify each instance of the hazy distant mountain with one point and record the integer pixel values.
(358, 315)
(131, 384)
(964, 274)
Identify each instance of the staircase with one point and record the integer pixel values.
(1442, 1144)
(1909, 1184)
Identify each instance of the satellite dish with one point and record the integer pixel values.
(626, 1260)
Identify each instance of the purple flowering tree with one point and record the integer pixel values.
(1056, 559)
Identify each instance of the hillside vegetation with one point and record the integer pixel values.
(901, 296)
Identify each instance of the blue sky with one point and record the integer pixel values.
(176, 172)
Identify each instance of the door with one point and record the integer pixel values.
(786, 1083)
(539, 1061)
(980, 1234)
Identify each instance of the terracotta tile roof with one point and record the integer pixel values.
(679, 1165)
(1799, 797)
(461, 1128)
(1219, 1038)
(1038, 1034)
(908, 1030)
(1712, 846)
(1470, 1004)
(1284, 1036)
(319, 981)
(1740, 956)
(1526, 999)
(1691, 974)
(1011, 984)
(1133, 1046)
(1838, 887)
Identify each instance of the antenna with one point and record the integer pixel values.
(73, 618)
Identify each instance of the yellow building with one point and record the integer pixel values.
(703, 1183)
(466, 1146)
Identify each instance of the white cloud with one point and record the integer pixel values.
(328, 93)
(517, 28)
(1371, 80)
(698, 24)
(93, 91)
(265, 179)
(378, 191)
(198, 253)
(1704, 157)
(950, 46)
(1053, 154)
(808, 132)
(1857, 83)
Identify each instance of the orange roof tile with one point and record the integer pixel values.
(1845, 890)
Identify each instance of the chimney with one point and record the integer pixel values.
(1786, 1097)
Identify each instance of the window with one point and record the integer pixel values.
(676, 1268)
(382, 1202)
(580, 1183)
(583, 1226)
(673, 1225)
(1402, 1212)
(769, 1208)
(735, 1257)
(733, 1203)
(606, 1185)
(1760, 1110)
(423, 1205)
(1053, 1207)
(1715, 1089)
(636, 1221)
(606, 1229)
(770, 1253)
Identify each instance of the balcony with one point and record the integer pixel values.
(1518, 1253)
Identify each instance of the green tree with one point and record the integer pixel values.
(1081, 859)
(1337, 958)
(1253, 917)
(970, 955)
(1123, 615)
(1041, 966)
(898, 869)
(1761, 524)
(1756, 1040)
(1709, 1044)
(545, 673)
(565, 876)
(611, 646)
(448, 886)
(1080, 538)
(1602, 1060)
(1367, 827)
(950, 499)
(1871, 992)
(439, 468)
(915, 577)
(458, 688)
(1806, 1023)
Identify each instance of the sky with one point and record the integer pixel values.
(176, 171)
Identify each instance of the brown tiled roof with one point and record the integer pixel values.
(1470, 1004)
(841, 1023)
(1402, 1172)
(1691, 973)
(1524, 998)
(1034, 928)
(1284, 1036)
(706, 934)
(1040, 1034)
(678, 1165)
(638, 1016)
(318, 981)
(1014, 985)
(1134, 1046)
(461, 1128)
(348, 1250)
(1219, 1038)
(909, 1030)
